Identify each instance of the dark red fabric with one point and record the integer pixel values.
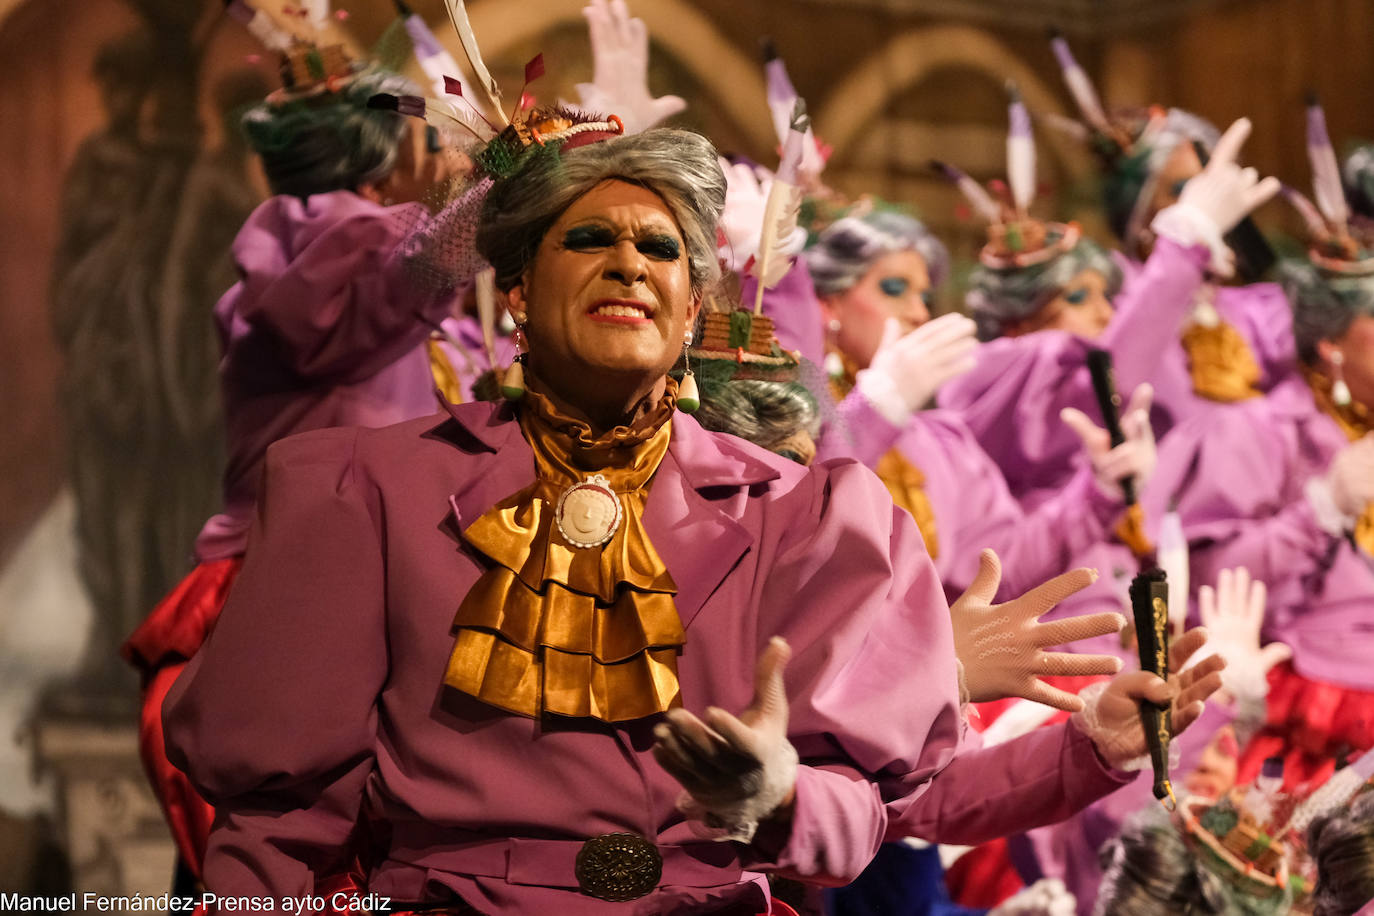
(984, 876)
(1309, 723)
(160, 649)
(177, 627)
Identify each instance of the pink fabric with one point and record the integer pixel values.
(325, 329)
(1012, 399)
(973, 507)
(795, 310)
(317, 698)
(1237, 474)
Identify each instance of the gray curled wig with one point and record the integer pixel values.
(847, 248)
(1324, 304)
(332, 141)
(766, 413)
(1342, 844)
(998, 297)
(677, 165)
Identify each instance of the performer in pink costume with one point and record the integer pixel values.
(326, 328)
(1025, 376)
(487, 757)
(1283, 485)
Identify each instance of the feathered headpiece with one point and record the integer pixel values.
(309, 67)
(1015, 238)
(1332, 247)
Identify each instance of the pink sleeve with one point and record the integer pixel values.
(274, 720)
(856, 596)
(1151, 310)
(347, 304)
(858, 431)
(1037, 779)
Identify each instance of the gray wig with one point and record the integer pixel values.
(330, 142)
(1324, 304)
(1000, 296)
(677, 165)
(848, 247)
(1343, 846)
(766, 413)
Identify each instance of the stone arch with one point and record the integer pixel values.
(911, 56)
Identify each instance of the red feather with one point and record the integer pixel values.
(452, 86)
(534, 69)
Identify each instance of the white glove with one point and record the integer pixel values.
(1351, 477)
(620, 74)
(1046, 897)
(1111, 716)
(746, 198)
(908, 369)
(1233, 613)
(1002, 646)
(1136, 457)
(1216, 199)
(737, 771)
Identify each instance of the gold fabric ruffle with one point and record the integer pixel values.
(1355, 421)
(446, 379)
(1220, 363)
(907, 484)
(553, 628)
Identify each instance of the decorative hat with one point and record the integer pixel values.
(309, 68)
(1015, 238)
(1332, 247)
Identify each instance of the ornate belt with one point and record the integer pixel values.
(618, 867)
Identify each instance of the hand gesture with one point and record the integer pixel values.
(736, 771)
(1134, 458)
(912, 367)
(620, 74)
(1111, 717)
(1233, 613)
(1002, 646)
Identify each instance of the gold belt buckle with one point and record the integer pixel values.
(618, 867)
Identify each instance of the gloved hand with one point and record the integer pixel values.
(1046, 897)
(1216, 199)
(746, 198)
(1136, 457)
(907, 370)
(1111, 714)
(1233, 613)
(1002, 646)
(620, 69)
(1351, 477)
(737, 771)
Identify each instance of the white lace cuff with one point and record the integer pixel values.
(1187, 225)
(880, 390)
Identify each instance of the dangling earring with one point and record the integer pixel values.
(513, 382)
(1340, 391)
(688, 398)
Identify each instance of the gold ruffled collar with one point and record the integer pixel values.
(553, 627)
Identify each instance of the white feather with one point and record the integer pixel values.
(317, 12)
(487, 91)
(779, 222)
(1173, 559)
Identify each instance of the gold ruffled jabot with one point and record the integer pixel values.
(1355, 421)
(556, 628)
(1220, 363)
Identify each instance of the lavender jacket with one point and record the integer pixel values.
(326, 328)
(317, 699)
(969, 497)
(1012, 398)
(1238, 475)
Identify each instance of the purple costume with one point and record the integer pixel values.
(1237, 474)
(317, 700)
(1012, 398)
(326, 328)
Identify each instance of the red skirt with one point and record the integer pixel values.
(1309, 723)
(159, 649)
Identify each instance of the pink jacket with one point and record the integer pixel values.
(316, 702)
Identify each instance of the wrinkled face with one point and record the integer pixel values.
(1081, 308)
(896, 286)
(1356, 346)
(608, 295)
